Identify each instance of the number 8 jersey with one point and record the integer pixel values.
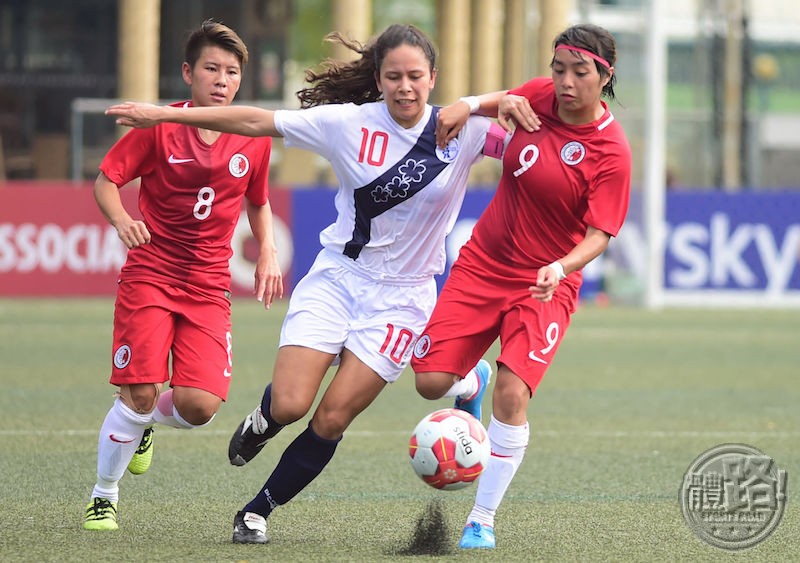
(398, 195)
(190, 199)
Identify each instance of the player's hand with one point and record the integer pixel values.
(546, 284)
(450, 121)
(132, 233)
(514, 109)
(135, 114)
(268, 280)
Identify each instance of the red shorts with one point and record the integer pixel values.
(483, 300)
(153, 320)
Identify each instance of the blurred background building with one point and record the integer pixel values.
(707, 92)
(732, 117)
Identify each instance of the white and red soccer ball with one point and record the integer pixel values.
(449, 449)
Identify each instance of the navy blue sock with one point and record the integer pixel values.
(301, 462)
(272, 426)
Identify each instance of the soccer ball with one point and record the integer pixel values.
(449, 449)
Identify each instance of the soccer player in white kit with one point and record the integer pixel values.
(371, 289)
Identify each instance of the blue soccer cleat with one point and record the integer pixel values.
(476, 536)
(473, 404)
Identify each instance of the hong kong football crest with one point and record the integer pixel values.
(122, 356)
(422, 347)
(238, 165)
(572, 153)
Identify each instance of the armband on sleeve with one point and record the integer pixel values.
(495, 141)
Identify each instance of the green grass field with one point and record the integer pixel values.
(633, 398)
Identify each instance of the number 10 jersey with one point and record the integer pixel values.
(398, 195)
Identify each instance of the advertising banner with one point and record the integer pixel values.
(720, 247)
(55, 242)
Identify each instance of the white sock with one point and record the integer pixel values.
(508, 449)
(465, 388)
(481, 515)
(119, 437)
(166, 413)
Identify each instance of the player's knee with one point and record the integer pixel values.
(432, 386)
(194, 407)
(510, 399)
(331, 424)
(286, 412)
(140, 398)
(197, 414)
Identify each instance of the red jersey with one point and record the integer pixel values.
(555, 183)
(190, 199)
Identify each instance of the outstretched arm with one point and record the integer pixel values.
(241, 120)
(507, 108)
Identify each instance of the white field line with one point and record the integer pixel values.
(728, 434)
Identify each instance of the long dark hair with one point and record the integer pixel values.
(597, 40)
(342, 82)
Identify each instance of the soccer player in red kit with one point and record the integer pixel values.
(173, 298)
(563, 194)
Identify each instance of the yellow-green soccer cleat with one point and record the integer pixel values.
(101, 514)
(140, 462)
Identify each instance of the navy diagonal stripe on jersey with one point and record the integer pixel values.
(395, 185)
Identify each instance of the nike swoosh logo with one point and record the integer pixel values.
(532, 355)
(119, 440)
(173, 160)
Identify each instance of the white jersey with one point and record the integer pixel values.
(399, 194)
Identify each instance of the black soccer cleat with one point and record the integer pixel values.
(249, 527)
(250, 438)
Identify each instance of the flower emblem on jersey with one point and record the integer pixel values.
(122, 356)
(396, 187)
(411, 171)
(238, 165)
(572, 153)
(450, 152)
(380, 194)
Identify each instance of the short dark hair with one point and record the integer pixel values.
(215, 34)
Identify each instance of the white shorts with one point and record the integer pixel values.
(334, 307)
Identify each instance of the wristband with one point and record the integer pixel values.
(472, 101)
(559, 270)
